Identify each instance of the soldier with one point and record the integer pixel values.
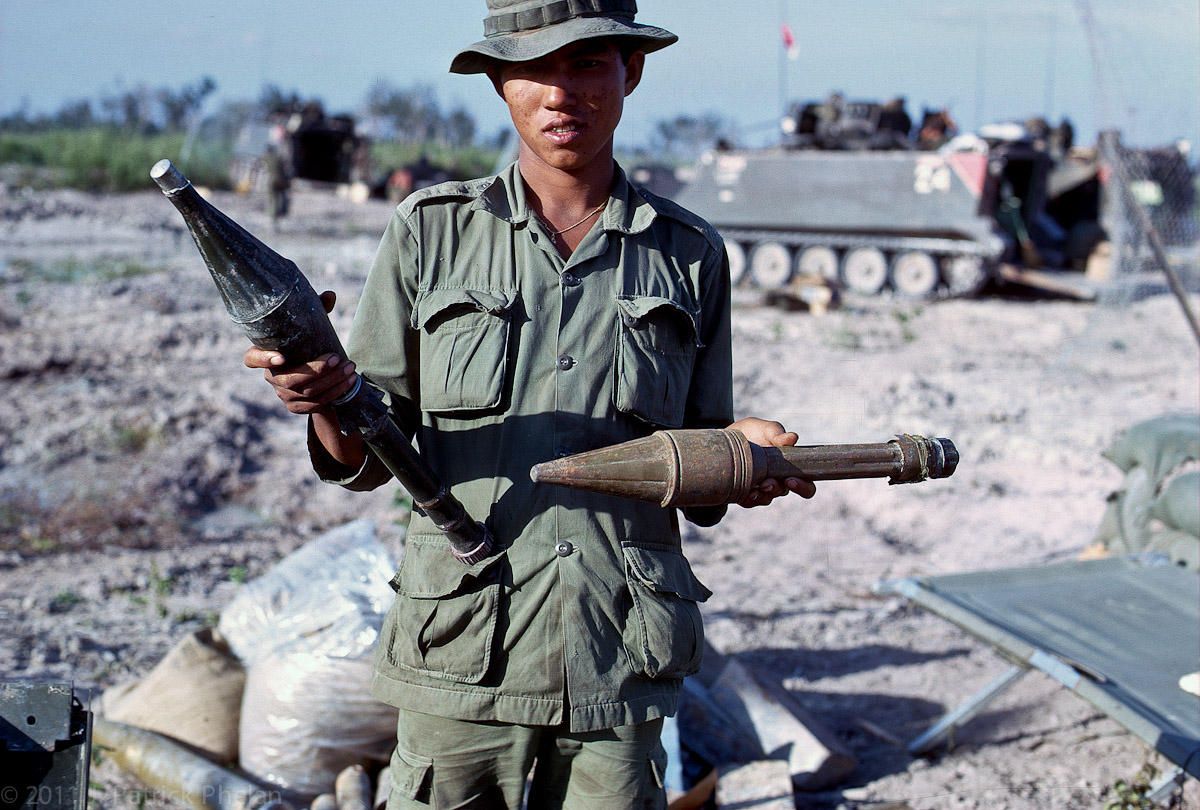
(548, 310)
(278, 184)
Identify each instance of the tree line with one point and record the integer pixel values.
(104, 143)
(411, 114)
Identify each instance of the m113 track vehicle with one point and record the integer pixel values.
(851, 198)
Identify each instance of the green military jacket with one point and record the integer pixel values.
(500, 354)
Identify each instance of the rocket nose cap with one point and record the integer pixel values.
(168, 177)
(543, 473)
(949, 458)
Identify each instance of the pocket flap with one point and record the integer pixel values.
(428, 571)
(634, 308)
(433, 302)
(665, 570)
(409, 773)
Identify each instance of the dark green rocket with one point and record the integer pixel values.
(271, 300)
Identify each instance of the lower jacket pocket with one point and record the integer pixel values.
(664, 634)
(444, 621)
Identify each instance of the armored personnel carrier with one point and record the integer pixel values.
(852, 196)
(313, 147)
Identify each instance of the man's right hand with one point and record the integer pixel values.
(306, 388)
(309, 387)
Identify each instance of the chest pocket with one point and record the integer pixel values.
(464, 347)
(656, 351)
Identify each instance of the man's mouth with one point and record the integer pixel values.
(562, 132)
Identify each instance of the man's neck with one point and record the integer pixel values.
(557, 195)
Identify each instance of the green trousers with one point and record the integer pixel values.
(442, 764)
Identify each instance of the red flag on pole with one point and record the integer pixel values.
(789, 41)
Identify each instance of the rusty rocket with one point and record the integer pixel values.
(708, 467)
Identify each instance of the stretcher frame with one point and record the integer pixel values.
(1099, 663)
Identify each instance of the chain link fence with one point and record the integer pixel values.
(1163, 185)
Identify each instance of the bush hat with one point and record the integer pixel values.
(521, 30)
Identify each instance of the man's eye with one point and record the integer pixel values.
(584, 64)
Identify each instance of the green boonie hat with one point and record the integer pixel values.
(520, 30)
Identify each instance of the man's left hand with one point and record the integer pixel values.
(771, 434)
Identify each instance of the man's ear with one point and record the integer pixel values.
(633, 70)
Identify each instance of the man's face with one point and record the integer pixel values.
(566, 105)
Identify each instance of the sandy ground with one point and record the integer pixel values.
(144, 473)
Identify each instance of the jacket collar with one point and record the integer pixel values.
(627, 211)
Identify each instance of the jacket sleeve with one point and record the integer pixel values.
(382, 345)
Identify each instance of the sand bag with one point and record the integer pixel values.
(306, 631)
(306, 717)
(194, 695)
(1151, 511)
(332, 584)
(1174, 520)
(1160, 444)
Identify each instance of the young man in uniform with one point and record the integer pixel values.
(546, 311)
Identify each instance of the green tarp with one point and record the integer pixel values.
(1129, 628)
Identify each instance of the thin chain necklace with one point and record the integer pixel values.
(590, 214)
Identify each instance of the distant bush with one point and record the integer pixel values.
(107, 158)
(104, 158)
(460, 163)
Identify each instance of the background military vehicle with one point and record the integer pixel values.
(311, 146)
(857, 195)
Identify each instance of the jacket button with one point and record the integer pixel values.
(570, 280)
(630, 321)
(562, 452)
(565, 361)
(563, 549)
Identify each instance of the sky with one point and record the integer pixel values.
(1100, 63)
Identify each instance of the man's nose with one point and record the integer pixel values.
(558, 93)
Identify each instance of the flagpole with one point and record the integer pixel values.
(783, 60)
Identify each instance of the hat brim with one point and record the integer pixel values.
(535, 44)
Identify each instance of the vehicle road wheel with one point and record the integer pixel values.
(770, 265)
(737, 261)
(965, 274)
(864, 270)
(817, 261)
(914, 274)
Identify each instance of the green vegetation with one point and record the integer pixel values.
(1133, 794)
(460, 163)
(160, 584)
(64, 600)
(206, 618)
(107, 158)
(73, 270)
(109, 143)
(402, 502)
(134, 438)
(904, 319)
(845, 338)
